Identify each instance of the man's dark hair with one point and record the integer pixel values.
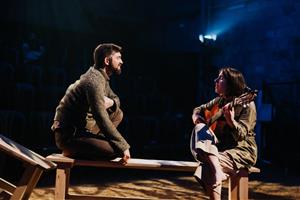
(235, 81)
(102, 51)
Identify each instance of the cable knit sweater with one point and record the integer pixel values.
(87, 95)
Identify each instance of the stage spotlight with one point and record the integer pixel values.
(203, 38)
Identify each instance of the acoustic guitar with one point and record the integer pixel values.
(207, 124)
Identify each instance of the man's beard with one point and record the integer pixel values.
(117, 71)
(114, 70)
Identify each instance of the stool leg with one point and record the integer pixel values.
(238, 186)
(62, 183)
(26, 184)
(243, 185)
(233, 188)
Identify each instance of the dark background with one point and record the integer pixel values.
(167, 71)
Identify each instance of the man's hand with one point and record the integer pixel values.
(126, 157)
(108, 102)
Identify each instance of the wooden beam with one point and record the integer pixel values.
(133, 163)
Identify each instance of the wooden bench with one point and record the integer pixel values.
(238, 185)
(34, 164)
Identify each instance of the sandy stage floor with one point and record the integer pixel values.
(269, 185)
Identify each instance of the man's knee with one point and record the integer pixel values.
(199, 127)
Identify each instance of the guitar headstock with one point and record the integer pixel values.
(246, 97)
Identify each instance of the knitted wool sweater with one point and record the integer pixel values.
(85, 96)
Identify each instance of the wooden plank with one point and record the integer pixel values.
(59, 158)
(134, 163)
(22, 153)
(7, 186)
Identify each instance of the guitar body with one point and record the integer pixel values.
(211, 116)
(208, 114)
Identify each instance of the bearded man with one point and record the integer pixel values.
(86, 119)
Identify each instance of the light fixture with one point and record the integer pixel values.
(203, 38)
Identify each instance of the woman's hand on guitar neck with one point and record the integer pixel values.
(228, 113)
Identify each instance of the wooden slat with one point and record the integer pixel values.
(59, 158)
(133, 163)
(7, 186)
(22, 153)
